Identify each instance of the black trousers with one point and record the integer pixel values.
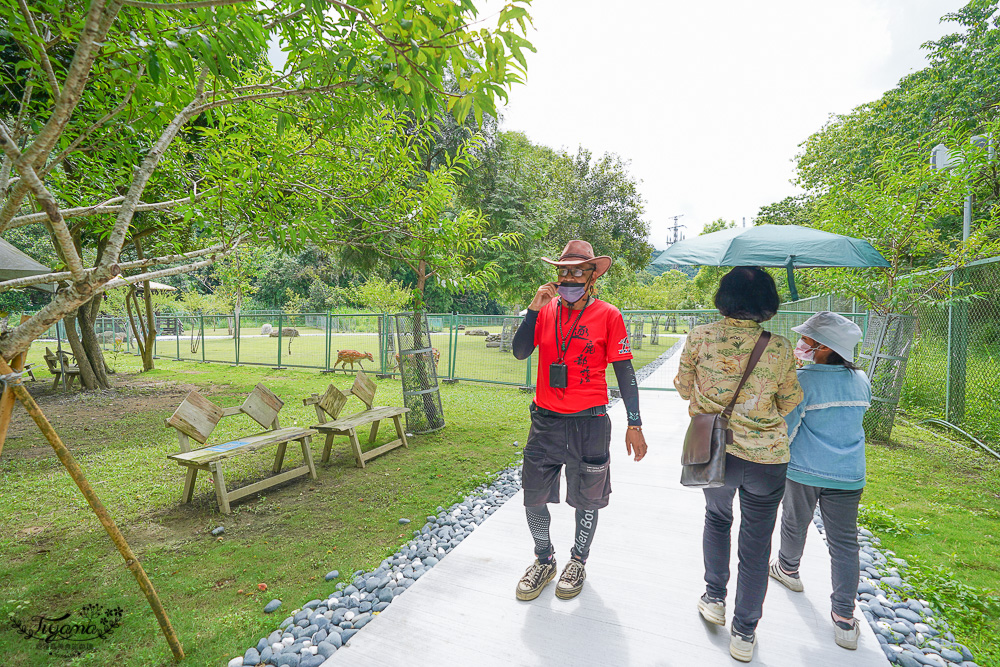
(761, 487)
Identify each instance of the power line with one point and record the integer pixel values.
(675, 234)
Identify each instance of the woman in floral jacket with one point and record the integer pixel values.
(711, 365)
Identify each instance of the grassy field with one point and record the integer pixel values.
(924, 390)
(937, 504)
(472, 359)
(56, 557)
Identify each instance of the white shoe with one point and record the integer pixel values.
(846, 638)
(713, 611)
(741, 647)
(790, 582)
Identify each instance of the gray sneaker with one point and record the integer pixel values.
(712, 609)
(846, 635)
(571, 581)
(741, 646)
(792, 583)
(535, 578)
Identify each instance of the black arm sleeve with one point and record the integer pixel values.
(629, 389)
(524, 337)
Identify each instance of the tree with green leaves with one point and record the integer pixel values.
(175, 74)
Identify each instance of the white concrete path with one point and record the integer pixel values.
(638, 605)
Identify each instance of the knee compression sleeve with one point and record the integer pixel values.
(538, 523)
(586, 524)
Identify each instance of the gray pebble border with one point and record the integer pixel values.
(909, 631)
(313, 633)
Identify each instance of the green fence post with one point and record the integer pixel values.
(177, 335)
(281, 314)
(202, 339)
(236, 337)
(958, 344)
(329, 342)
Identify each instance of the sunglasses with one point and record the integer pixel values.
(576, 273)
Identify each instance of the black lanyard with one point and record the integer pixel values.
(563, 344)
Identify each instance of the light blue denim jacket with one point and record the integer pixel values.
(827, 439)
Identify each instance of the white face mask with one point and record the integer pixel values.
(804, 352)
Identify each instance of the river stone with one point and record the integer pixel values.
(288, 660)
(335, 639)
(403, 522)
(272, 606)
(327, 649)
(952, 655)
(312, 604)
(312, 661)
(908, 614)
(218, 531)
(350, 632)
(235, 662)
(331, 575)
(251, 657)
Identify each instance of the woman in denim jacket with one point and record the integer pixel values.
(827, 462)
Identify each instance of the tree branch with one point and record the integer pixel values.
(90, 130)
(175, 6)
(42, 53)
(106, 207)
(48, 203)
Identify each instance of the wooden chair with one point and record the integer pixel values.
(62, 371)
(332, 402)
(197, 417)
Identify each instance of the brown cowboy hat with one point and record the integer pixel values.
(579, 252)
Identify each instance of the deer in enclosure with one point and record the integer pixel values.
(352, 357)
(287, 332)
(434, 351)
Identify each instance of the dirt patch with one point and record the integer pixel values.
(80, 413)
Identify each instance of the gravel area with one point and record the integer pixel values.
(310, 635)
(910, 631)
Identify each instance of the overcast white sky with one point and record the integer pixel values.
(709, 100)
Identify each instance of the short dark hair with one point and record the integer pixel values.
(747, 293)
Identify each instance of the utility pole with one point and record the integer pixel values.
(675, 234)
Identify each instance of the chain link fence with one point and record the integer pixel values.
(942, 363)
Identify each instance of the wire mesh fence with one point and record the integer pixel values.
(949, 369)
(418, 371)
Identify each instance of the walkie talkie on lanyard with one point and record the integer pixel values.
(558, 370)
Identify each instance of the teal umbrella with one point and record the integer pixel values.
(790, 246)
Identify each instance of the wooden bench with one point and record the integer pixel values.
(329, 405)
(63, 371)
(197, 417)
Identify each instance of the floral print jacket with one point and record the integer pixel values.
(711, 365)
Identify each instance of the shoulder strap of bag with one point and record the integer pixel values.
(758, 350)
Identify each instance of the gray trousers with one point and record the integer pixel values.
(760, 487)
(839, 509)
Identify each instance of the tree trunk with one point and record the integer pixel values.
(87, 377)
(144, 329)
(86, 316)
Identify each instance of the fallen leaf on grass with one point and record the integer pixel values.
(262, 587)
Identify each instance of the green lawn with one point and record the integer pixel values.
(937, 504)
(472, 359)
(57, 558)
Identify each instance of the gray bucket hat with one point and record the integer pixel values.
(832, 330)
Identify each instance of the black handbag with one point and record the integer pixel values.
(703, 460)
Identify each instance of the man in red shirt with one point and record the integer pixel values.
(577, 336)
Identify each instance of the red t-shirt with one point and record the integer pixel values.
(600, 339)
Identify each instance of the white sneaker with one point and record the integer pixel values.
(741, 646)
(790, 582)
(712, 610)
(846, 637)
